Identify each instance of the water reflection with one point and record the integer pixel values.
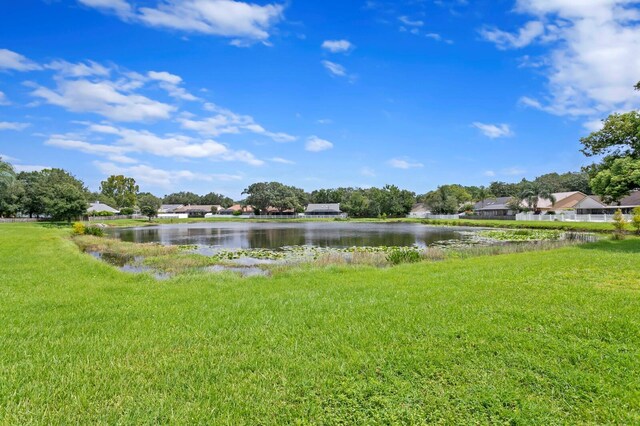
(278, 235)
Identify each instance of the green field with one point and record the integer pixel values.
(548, 337)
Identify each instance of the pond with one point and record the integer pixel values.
(274, 236)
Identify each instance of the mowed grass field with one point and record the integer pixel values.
(535, 338)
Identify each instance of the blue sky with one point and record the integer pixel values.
(212, 95)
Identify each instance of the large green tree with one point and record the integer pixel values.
(274, 194)
(123, 190)
(66, 196)
(216, 199)
(618, 141)
(616, 178)
(447, 199)
(149, 205)
(11, 190)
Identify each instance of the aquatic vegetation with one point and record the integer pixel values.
(521, 235)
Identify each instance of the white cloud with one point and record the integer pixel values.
(489, 173)
(13, 61)
(400, 163)
(128, 141)
(325, 121)
(8, 125)
(337, 46)
(282, 160)
(120, 7)
(368, 172)
(505, 40)
(80, 69)
(148, 175)
(335, 69)
(3, 99)
(165, 76)
(171, 83)
(228, 122)
(9, 158)
(315, 144)
(227, 18)
(594, 56)
(494, 131)
(106, 98)
(410, 22)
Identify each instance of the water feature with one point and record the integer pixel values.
(275, 236)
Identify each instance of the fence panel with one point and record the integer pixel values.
(568, 217)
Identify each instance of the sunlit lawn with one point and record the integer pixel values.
(543, 337)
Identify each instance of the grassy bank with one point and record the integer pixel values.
(545, 337)
(512, 224)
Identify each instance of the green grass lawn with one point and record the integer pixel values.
(544, 337)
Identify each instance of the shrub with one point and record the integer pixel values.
(619, 223)
(237, 213)
(398, 256)
(78, 228)
(635, 220)
(126, 211)
(96, 231)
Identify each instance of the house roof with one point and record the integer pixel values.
(238, 207)
(98, 207)
(316, 208)
(420, 208)
(170, 206)
(631, 200)
(196, 208)
(564, 200)
(590, 202)
(498, 203)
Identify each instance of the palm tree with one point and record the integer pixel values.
(533, 192)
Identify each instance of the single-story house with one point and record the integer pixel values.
(594, 205)
(420, 210)
(491, 207)
(197, 210)
(236, 208)
(99, 208)
(332, 209)
(272, 211)
(169, 208)
(564, 201)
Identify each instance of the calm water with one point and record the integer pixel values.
(233, 235)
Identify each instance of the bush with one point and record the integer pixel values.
(78, 228)
(635, 219)
(619, 223)
(237, 213)
(126, 211)
(398, 256)
(96, 231)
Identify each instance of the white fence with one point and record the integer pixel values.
(568, 217)
(433, 216)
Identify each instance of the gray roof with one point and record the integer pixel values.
(98, 207)
(198, 208)
(319, 208)
(170, 207)
(499, 203)
(631, 200)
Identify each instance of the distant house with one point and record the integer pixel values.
(245, 210)
(99, 208)
(169, 208)
(323, 210)
(594, 205)
(272, 211)
(492, 207)
(420, 210)
(564, 201)
(197, 210)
